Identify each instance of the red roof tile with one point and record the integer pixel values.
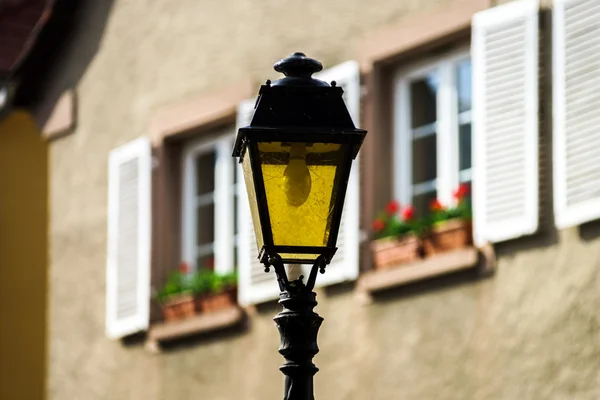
(20, 23)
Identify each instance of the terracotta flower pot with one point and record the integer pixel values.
(179, 307)
(392, 252)
(217, 301)
(448, 235)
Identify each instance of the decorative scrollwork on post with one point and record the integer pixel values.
(298, 327)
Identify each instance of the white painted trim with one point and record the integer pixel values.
(425, 187)
(139, 149)
(483, 21)
(424, 131)
(249, 292)
(347, 75)
(447, 150)
(347, 268)
(402, 143)
(223, 202)
(446, 126)
(464, 117)
(565, 216)
(465, 175)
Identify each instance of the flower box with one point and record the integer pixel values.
(394, 251)
(395, 241)
(448, 235)
(211, 302)
(178, 307)
(186, 294)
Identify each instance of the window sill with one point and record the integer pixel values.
(458, 260)
(198, 324)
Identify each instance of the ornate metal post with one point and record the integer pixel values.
(298, 327)
(300, 130)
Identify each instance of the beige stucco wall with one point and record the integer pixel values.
(529, 332)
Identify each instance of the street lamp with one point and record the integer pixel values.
(296, 156)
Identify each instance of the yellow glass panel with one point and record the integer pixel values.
(249, 180)
(299, 183)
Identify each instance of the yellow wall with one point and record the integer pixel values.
(23, 258)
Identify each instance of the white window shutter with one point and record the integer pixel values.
(254, 284)
(345, 263)
(505, 121)
(128, 258)
(576, 84)
(224, 224)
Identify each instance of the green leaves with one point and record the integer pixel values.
(199, 282)
(462, 210)
(394, 226)
(397, 221)
(177, 283)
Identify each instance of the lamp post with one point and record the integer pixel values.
(296, 156)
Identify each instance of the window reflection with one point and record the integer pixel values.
(463, 89)
(424, 100)
(463, 83)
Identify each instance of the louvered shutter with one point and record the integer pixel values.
(128, 258)
(505, 121)
(576, 84)
(254, 285)
(224, 227)
(345, 263)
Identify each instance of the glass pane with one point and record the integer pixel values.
(464, 146)
(205, 223)
(235, 257)
(300, 185)
(422, 201)
(423, 99)
(234, 193)
(205, 173)
(463, 81)
(249, 181)
(235, 213)
(424, 159)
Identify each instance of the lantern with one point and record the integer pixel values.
(296, 156)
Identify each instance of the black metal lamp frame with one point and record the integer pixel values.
(298, 327)
(298, 108)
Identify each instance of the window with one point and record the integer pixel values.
(209, 237)
(432, 131)
(463, 91)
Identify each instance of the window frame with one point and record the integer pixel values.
(225, 240)
(447, 132)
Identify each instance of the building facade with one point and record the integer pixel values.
(24, 213)
(498, 96)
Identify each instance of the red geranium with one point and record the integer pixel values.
(392, 207)
(436, 205)
(395, 221)
(378, 225)
(184, 268)
(461, 192)
(408, 213)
